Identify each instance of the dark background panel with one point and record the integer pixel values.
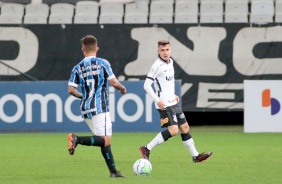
(215, 118)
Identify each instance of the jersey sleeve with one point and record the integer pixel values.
(153, 71)
(109, 74)
(74, 78)
(149, 81)
(148, 88)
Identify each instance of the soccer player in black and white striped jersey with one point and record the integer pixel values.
(171, 115)
(92, 74)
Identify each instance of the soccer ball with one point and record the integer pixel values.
(142, 167)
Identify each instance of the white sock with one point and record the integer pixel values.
(189, 144)
(156, 141)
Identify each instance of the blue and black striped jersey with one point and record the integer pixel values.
(92, 74)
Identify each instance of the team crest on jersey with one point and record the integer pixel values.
(164, 121)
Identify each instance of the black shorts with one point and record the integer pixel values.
(172, 115)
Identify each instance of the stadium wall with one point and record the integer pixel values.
(212, 60)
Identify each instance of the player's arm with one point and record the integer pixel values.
(72, 90)
(116, 84)
(148, 88)
(112, 78)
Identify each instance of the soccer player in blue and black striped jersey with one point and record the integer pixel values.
(92, 74)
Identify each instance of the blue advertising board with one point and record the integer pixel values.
(47, 107)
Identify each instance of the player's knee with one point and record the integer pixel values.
(184, 128)
(107, 140)
(173, 130)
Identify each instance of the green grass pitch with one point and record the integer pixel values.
(238, 158)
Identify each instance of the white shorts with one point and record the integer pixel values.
(100, 124)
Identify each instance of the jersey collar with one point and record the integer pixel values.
(163, 60)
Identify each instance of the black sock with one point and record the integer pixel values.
(186, 136)
(91, 141)
(166, 134)
(108, 156)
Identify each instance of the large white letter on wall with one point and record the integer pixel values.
(28, 49)
(262, 106)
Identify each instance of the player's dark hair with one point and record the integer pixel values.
(89, 42)
(163, 42)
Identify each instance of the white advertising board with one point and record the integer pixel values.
(262, 106)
